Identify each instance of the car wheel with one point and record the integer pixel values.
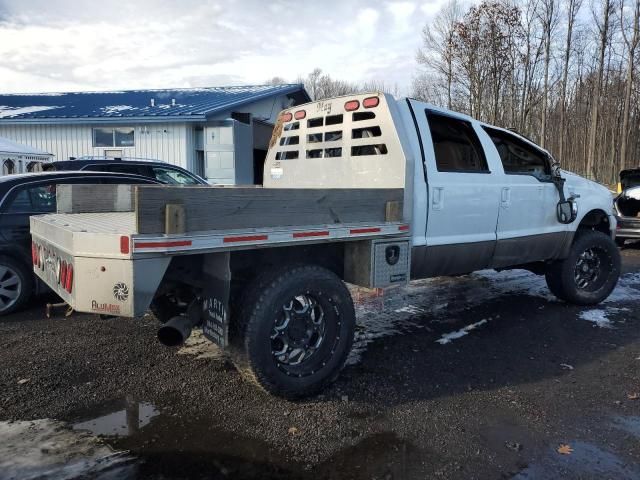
(297, 326)
(589, 273)
(16, 285)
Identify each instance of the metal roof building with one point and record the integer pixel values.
(221, 133)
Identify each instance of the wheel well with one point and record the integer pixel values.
(246, 264)
(595, 220)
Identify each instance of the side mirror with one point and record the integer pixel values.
(567, 211)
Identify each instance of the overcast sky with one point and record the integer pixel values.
(63, 45)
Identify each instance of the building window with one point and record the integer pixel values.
(114, 137)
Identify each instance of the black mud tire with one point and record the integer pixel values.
(561, 275)
(11, 271)
(255, 318)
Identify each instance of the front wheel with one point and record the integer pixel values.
(297, 329)
(589, 273)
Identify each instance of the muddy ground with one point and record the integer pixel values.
(485, 376)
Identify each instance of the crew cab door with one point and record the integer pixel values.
(463, 196)
(528, 229)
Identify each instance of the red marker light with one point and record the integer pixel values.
(300, 114)
(370, 102)
(124, 244)
(286, 117)
(352, 105)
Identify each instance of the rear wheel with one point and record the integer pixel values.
(589, 273)
(16, 285)
(297, 328)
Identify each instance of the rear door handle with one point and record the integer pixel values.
(505, 199)
(437, 199)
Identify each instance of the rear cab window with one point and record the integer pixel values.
(456, 146)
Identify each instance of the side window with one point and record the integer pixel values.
(172, 177)
(456, 145)
(518, 157)
(35, 199)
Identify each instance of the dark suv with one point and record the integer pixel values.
(31, 194)
(160, 171)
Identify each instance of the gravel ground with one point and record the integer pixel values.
(484, 376)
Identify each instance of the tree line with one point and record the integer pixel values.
(561, 72)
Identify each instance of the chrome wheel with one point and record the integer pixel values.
(298, 331)
(10, 287)
(589, 274)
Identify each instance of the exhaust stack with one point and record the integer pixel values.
(176, 331)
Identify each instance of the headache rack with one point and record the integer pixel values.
(345, 142)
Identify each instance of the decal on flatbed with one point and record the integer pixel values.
(109, 308)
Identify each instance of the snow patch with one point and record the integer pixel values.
(47, 448)
(598, 317)
(449, 337)
(111, 109)
(8, 112)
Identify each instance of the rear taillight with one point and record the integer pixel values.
(352, 105)
(286, 117)
(68, 284)
(34, 253)
(300, 114)
(124, 244)
(370, 102)
(62, 278)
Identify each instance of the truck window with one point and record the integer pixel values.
(518, 157)
(456, 146)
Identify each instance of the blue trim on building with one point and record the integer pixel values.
(183, 105)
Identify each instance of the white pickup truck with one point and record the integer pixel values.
(363, 189)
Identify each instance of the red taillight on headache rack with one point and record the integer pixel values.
(300, 114)
(370, 102)
(352, 105)
(286, 117)
(34, 253)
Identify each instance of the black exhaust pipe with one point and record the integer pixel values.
(176, 331)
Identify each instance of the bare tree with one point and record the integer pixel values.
(437, 52)
(549, 22)
(631, 40)
(602, 20)
(573, 7)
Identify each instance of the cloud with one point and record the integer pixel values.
(49, 45)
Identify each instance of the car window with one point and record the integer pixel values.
(33, 199)
(173, 177)
(456, 145)
(517, 156)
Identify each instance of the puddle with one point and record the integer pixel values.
(586, 461)
(120, 423)
(628, 424)
(49, 449)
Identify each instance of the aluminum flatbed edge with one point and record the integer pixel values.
(92, 259)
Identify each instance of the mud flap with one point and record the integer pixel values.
(215, 301)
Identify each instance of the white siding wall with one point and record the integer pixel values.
(168, 142)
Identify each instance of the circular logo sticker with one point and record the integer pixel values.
(121, 291)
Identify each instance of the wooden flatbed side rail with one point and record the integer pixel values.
(245, 207)
(95, 198)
